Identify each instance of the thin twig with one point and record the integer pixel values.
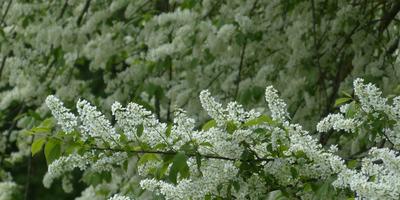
(6, 12)
(28, 174)
(388, 17)
(64, 8)
(209, 156)
(238, 78)
(85, 9)
(3, 63)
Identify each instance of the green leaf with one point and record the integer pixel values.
(139, 130)
(307, 187)
(259, 120)
(198, 163)
(180, 166)
(341, 101)
(47, 123)
(40, 130)
(37, 145)
(168, 131)
(209, 124)
(352, 110)
(352, 164)
(294, 172)
(325, 190)
(276, 195)
(52, 150)
(231, 127)
(236, 185)
(346, 94)
(147, 157)
(44, 127)
(95, 178)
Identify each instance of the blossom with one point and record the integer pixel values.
(64, 117)
(64, 164)
(8, 190)
(119, 197)
(94, 124)
(337, 122)
(133, 116)
(369, 96)
(276, 105)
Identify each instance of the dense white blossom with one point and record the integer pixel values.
(337, 122)
(8, 190)
(64, 164)
(276, 105)
(94, 123)
(119, 197)
(64, 117)
(130, 117)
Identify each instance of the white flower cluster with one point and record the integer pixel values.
(378, 177)
(221, 142)
(64, 117)
(107, 162)
(371, 103)
(215, 172)
(94, 124)
(119, 197)
(337, 122)
(233, 112)
(276, 105)
(8, 190)
(286, 152)
(65, 164)
(135, 115)
(370, 97)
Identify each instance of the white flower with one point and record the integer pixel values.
(8, 190)
(135, 115)
(369, 96)
(119, 197)
(276, 105)
(337, 122)
(64, 117)
(64, 164)
(94, 124)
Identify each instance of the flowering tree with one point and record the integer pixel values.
(237, 154)
(160, 55)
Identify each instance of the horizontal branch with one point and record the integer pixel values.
(209, 156)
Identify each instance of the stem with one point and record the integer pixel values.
(28, 174)
(238, 78)
(3, 63)
(209, 156)
(63, 10)
(85, 9)
(388, 17)
(6, 12)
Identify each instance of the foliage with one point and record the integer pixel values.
(160, 55)
(244, 155)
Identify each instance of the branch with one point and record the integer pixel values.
(3, 63)
(392, 48)
(242, 53)
(388, 17)
(63, 10)
(208, 156)
(28, 174)
(238, 78)
(6, 12)
(85, 9)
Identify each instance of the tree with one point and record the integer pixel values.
(162, 54)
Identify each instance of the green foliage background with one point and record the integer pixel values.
(161, 54)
